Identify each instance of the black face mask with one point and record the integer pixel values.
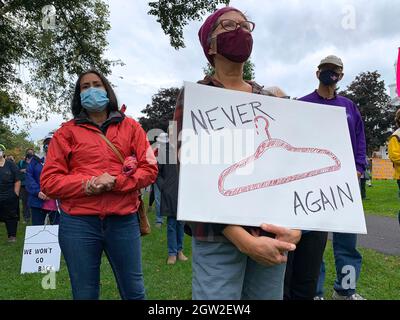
(329, 77)
(29, 155)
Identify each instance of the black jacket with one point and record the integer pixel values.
(167, 180)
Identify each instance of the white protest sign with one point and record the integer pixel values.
(249, 159)
(42, 252)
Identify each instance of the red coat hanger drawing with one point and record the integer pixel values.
(271, 143)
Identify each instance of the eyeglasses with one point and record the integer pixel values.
(231, 25)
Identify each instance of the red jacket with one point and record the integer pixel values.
(77, 153)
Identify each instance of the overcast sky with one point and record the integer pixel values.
(290, 38)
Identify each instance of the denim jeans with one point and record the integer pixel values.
(221, 272)
(348, 265)
(157, 200)
(175, 235)
(82, 241)
(39, 216)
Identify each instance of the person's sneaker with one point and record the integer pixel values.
(12, 239)
(181, 256)
(171, 260)
(355, 296)
(318, 298)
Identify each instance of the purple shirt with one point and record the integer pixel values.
(354, 121)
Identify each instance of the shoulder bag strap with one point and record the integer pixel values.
(111, 145)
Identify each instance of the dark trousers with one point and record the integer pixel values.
(9, 213)
(398, 183)
(362, 188)
(26, 210)
(11, 226)
(39, 216)
(303, 266)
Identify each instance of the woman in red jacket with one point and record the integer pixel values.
(98, 200)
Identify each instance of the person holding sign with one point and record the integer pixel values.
(10, 185)
(305, 273)
(234, 262)
(98, 199)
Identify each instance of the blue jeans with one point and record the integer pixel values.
(348, 265)
(221, 272)
(39, 216)
(157, 200)
(82, 241)
(175, 235)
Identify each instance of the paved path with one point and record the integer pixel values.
(383, 235)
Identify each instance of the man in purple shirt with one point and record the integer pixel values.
(305, 273)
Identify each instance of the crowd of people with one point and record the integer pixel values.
(80, 184)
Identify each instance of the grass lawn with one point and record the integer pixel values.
(161, 281)
(380, 277)
(382, 198)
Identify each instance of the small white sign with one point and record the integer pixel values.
(42, 252)
(249, 159)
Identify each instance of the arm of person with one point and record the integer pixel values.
(31, 185)
(17, 179)
(56, 181)
(394, 150)
(17, 187)
(160, 178)
(264, 250)
(361, 145)
(146, 172)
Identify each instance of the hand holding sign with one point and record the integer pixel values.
(264, 250)
(283, 234)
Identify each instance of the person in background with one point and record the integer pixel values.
(10, 158)
(366, 176)
(41, 205)
(24, 195)
(231, 262)
(167, 182)
(305, 271)
(161, 140)
(10, 185)
(98, 198)
(394, 152)
(369, 169)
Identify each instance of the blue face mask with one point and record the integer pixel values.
(94, 100)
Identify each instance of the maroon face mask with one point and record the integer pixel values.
(235, 45)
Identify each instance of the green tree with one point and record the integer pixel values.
(161, 110)
(16, 143)
(54, 45)
(174, 15)
(248, 70)
(368, 92)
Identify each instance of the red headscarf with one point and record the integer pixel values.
(206, 29)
